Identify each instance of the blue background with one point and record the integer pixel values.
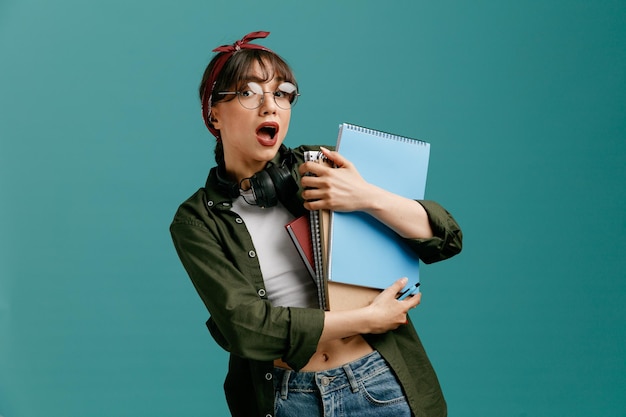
(101, 138)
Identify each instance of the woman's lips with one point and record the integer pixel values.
(267, 133)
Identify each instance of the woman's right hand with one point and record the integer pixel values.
(386, 312)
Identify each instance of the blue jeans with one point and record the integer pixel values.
(365, 388)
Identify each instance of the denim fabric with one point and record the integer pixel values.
(363, 388)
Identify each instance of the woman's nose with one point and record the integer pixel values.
(268, 104)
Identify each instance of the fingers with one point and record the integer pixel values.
(409, 302)
(401, 283)
(389, 312)
(334, 156)
(392, 291)
(413, 300)
(396, 287)
(338, 160)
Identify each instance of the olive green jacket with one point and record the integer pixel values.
(217, 252)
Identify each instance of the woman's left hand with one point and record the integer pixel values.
(341, 188)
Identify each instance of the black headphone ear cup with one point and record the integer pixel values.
(284, 184)
(263, 189)
(272, 184)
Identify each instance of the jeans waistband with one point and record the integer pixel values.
(368, 366)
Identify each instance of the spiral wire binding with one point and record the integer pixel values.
(314, 219)
(385, 135)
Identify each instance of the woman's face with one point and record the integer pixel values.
(251, 138)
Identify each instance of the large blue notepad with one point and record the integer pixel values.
(363, 251)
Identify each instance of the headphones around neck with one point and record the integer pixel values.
(272, 184)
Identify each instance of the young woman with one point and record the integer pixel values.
(288, 357)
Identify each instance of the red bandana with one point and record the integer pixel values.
(227, 51)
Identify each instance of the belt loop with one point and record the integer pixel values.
(353, 384)
(284, 384)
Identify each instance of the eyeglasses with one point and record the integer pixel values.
(253, 97)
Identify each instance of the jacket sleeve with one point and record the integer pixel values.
(243, 321)
(447, 239)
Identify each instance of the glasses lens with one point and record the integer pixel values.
(286, 95)
(252, 97)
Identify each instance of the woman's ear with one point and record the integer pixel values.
(214, 118)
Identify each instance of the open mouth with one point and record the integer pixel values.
(267, 131)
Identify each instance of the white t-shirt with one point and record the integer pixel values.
(287, 281)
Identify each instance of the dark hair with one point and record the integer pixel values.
(235, 74)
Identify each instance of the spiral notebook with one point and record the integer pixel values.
(361, 250)
(318, 244)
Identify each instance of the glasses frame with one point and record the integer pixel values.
(239, 93)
